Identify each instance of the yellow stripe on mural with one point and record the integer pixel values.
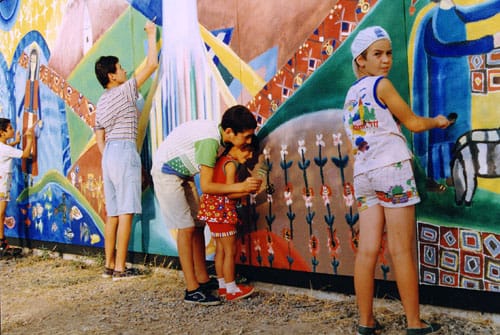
(238, 68)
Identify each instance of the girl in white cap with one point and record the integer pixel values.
(383, 178)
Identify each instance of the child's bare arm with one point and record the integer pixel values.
(29, 143)
(100, 139)
(152, 57)
(400, 109)
(17, 140)
(207, 185)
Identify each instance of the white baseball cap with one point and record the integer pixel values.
(364, 39)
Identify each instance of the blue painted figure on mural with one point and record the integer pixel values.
(441, 83)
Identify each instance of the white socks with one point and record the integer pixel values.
(232, 287)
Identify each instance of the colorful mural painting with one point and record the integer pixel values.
(292, 69)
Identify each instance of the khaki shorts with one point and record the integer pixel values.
(178, 200)
(391, 186)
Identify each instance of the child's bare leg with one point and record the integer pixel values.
(219, 258)
(199, 255)
(122, 240)
(229, 246)
(371, 228)
(110, 229)
(185, 251)
(402, 242)
(3, 208)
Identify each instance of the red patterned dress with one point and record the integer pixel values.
(217, 210)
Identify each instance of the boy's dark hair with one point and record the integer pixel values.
(238, 118)
(104, 66)
(4, 123)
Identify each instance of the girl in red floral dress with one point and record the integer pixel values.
(219, 212)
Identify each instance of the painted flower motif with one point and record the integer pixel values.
(319, 140)
(256, 245)
(308, 191)
(337, 139)
(313, 245)
(270, 249)
(267, 153)
(288, 197)
(333, 244)
(348, 194)
(326, 192)
(283, 151)
(287, 235)
(253, 197)
(308, 200)
(302, 147)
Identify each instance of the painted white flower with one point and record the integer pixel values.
(252, 199)
(308, 200)
(267, 153)
(269, 198)
(302, 147)
(326, 199)
(319, 140)
(270, 249)
(348, 200)
(337, 139)
(288, 198)
(283, 151)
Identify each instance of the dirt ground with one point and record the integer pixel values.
(42, 294)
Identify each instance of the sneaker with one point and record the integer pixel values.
(107, 273)
(127, 274)
(198, 296)
(211, 285)
(222, 292)
(243, 292)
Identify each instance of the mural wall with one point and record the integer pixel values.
(292, 69)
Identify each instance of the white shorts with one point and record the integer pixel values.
(391, 186)
(5, 185)
(178, 200)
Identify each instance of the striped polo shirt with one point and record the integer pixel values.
(116, 112)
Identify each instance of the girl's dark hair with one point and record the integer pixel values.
(239, 119)
(104, 66)
(4, 123)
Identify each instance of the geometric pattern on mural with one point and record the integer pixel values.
(457, 257)
(319, 46)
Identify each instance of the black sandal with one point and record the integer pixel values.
(375, 330)
(431, 328)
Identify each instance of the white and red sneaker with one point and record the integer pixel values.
(243, 292)
(222, 292)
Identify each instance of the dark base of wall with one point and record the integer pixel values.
(486, 302)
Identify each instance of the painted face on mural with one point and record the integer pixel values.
(377, 60)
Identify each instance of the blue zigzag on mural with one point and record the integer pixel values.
(8, 13)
